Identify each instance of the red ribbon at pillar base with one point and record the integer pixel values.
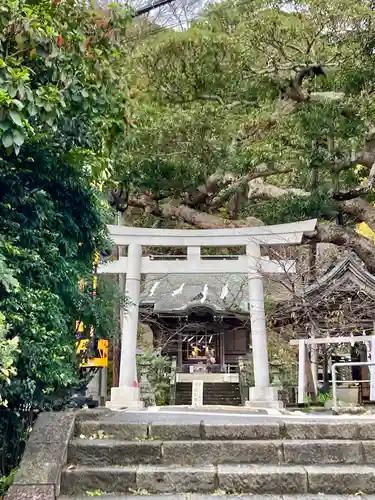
(135, 384)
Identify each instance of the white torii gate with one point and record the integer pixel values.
(134, 265)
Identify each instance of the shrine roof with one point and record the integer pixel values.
(224, 293)
(179, 292)
(347, 275)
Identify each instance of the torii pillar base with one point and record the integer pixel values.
(123, 398)
(264, 397)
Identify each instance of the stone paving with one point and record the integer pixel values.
(192, 496)
(220, 416)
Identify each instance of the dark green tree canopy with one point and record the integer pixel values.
(260, 112)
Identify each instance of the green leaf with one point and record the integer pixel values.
(18, 137)
(7, 139)
(19, 40)
(5, 125)
(18, 103)
(16, 117)
(32, 110)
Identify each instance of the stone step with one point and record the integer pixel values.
(222, 401)
(217, 496)
(182, 400)
(256, 479)
(219, 395)
(221, 387)
(108, 452)
(218, 392)
(291, 429)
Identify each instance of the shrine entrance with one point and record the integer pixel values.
(198, 319)
(199, 342)
(252, 264)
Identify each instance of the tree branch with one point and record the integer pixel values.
(324, 233)
(261, 190)
(365, 157)
(242, 182)
(359, 190)
(174, 209)
(146, 202)
(202, 220)
(344, 237)
(286, 106)
(361, 209)
(213, 185)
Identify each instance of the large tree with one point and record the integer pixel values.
(261, 112)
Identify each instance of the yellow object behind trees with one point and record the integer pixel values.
(363, 228)
(365, 231)
(100, 361)
(83, 340)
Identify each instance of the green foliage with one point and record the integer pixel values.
(323, 397)
(292, 208)
(61, 75)
(207, 100)
(63, 103)
(6, 482)
(8, 355)
(95, 493)
(8, 347)
(51, 224)
(280, 350)
(285, 354)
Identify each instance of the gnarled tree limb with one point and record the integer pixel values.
(361, 210)
(241, 183)
(344, 237)
(261, 190)
(213, 185)
(324, 233)
(203, 220)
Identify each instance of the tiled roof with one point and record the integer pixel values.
(177, 292)
(347, 274)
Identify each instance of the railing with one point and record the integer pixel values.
(334, 380)
(229, 368)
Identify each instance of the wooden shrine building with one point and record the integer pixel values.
(191, 315)
(334, 317)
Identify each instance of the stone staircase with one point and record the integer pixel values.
(223, 394)
(184, 393)
(214, 394)
(300, 458)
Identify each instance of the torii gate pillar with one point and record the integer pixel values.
(127, 394)
(262, 395)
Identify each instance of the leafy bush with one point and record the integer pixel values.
(158, 374)
(49, 238)
(8, 354)
(62, 104)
